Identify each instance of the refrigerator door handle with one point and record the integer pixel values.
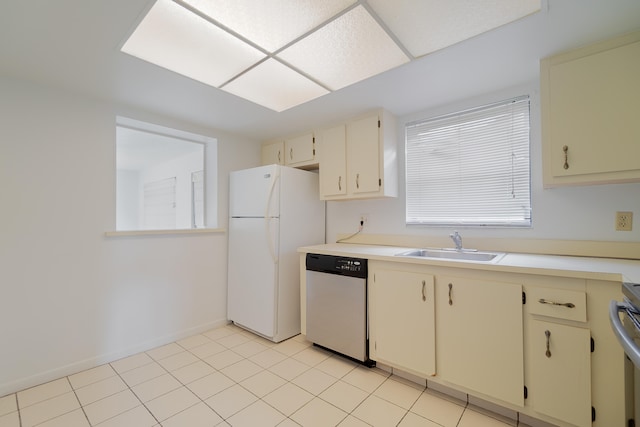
(267, 219)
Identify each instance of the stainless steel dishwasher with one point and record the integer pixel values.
(337, 305)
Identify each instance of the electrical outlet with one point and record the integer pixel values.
(364, 218)
(624, 221)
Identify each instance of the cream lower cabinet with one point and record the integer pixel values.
(560, 358)
(402, 330)
(479, 336)
(477, 333)
(559, 352)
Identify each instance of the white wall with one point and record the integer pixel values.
(127, 199)
(71, 298)
(576, 213)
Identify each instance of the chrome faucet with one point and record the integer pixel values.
(457, 240)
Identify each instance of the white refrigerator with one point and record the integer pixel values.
(273, 210)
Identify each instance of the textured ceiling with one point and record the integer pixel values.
(75, 45)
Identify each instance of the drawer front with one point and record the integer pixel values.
(559, 303)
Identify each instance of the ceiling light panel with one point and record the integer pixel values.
(424, 26)
(347, 50)
(271, 24)
(275, 86)
(174, 38)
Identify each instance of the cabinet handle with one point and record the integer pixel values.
(424, 295)
(358, 181)
(291, 153)
(564, 304)
(340, 183)
(450, 289)
(547, 334)
(279, 156)
(566, 156)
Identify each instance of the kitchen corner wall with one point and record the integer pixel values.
(567, 213)
(71, 298)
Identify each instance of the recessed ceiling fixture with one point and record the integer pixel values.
(283, 53)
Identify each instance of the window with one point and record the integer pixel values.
(470, 168)
(160, 177)
(160, 204)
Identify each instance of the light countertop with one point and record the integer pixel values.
(617, 270)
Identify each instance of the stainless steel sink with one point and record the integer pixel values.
(462, 255)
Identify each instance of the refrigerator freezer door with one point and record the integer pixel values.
(253, 275)
(251, 189)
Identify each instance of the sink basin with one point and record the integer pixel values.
(452, 254)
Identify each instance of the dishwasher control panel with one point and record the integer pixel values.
(331, 264)
(345, 264)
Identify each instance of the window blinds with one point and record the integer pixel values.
(470, 168)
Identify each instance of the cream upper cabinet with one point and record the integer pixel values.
(479, 336)
(333, 162)
(402, 320)
(590, 110)
(300, 151)
(363, 155)
(358, 159)
(273, 153)
(297, 152)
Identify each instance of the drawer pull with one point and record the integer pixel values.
(566, 157)
(450, 289)
(564, 304)
(424, 295)
(340, 183)
(547, 334)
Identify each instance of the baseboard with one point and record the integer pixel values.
(82, 365)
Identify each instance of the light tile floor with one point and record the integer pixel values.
(230, 377)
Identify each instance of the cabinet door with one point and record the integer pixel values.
(479, 336)
(273, 153)
(333, 162)
(590, 111)
(299, 150)
(560, 358)
(402, 321)
(363, 155)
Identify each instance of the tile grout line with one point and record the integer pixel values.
(263, 369)
(222, 373)
(18, 409)
(78, 399)
(133, 392)
(200, 400)
(316, 395)
(187, 386)
(45, 400)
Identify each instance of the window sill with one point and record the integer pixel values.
(126, 233)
